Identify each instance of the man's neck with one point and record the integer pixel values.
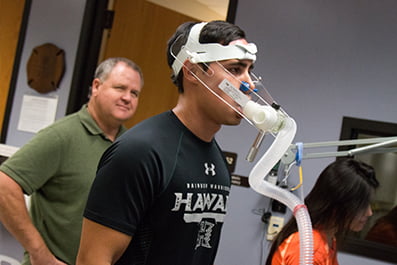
(198, 125)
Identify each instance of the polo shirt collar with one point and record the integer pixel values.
(90, 124)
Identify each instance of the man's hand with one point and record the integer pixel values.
(44, 257)
(15, 217)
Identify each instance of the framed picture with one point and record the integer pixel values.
(378, 240)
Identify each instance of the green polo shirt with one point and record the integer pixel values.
(57, 168)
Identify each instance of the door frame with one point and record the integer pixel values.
(89, 49)
(15, 69)
(87, 53)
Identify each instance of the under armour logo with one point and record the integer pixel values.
(209, 169)
(204, 234)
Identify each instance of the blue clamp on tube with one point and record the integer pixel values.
(245, 87)
(299, 153)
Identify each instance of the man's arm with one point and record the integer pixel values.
(100, 245)
(15, 217)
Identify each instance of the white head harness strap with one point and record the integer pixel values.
(198, 52)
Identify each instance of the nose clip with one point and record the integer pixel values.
(245, 87)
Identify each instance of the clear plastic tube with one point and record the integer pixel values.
(257, 182)
(305, 236)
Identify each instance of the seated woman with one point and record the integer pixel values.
(338, 202)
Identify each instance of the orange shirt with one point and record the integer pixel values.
(288, 252)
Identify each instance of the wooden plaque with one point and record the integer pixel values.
(45, 68)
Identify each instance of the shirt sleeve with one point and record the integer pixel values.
(36, 162)
(124, 187)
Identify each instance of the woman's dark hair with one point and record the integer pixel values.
(217, 31)
(343, 190)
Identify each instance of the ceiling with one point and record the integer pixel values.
(204, 10)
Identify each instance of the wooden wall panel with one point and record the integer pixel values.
(140, 32)
(11, 13)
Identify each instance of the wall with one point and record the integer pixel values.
(321, 60)
(58, 22)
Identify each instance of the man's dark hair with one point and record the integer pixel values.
(217, 31)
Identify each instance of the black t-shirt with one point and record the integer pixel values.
(166, 188)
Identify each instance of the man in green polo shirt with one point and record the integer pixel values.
(58, 166)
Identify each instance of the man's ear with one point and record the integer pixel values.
(190, 71)
(94, 85)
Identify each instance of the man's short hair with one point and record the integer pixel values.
(104, 68)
